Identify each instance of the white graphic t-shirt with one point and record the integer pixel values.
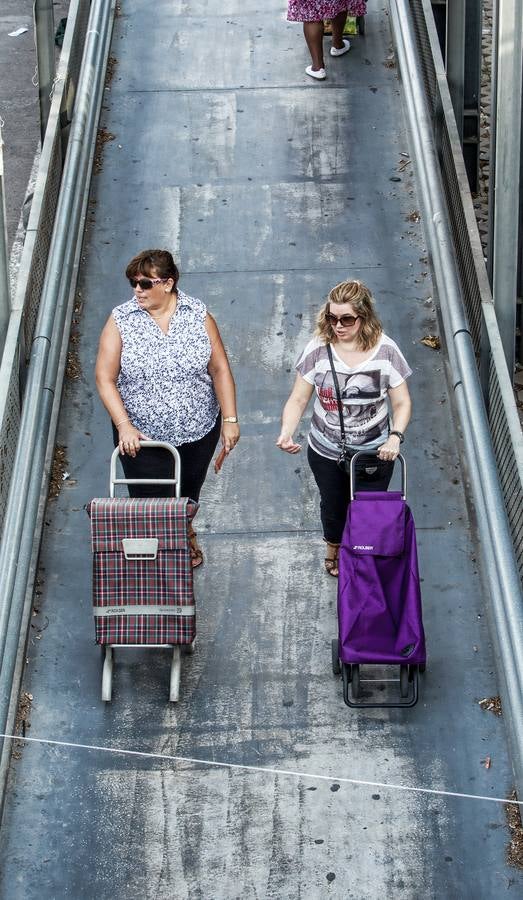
(363, 391)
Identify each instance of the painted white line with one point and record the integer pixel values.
(267, 770)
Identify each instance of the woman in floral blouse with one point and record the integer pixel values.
(163, 374)
(313, 13)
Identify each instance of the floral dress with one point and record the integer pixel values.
(316, 10)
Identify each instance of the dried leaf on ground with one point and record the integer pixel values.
(515, 848)
(102, 138)
(432, 341)
(492, 704)
(58, 469)
(487, 762)
(24, 710)
(73, 368)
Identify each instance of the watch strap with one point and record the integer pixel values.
(398, 434)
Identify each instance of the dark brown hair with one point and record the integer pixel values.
(359, 296)
(153, 264)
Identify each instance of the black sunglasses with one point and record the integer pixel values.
(145, 284)
(345, 321)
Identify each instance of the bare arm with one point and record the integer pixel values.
(401, 405)
(292, 413)
(106, 373)
(220, 372)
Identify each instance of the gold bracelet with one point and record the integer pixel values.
(117, 424)
(232, 419)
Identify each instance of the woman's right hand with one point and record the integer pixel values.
(286, 442)
(129, 439)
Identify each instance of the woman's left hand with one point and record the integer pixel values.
(230, 435)
(390, 449)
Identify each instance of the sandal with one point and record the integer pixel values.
(331, 562)
(195, 549)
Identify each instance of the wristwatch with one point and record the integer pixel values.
(398, 434)
(232, 419)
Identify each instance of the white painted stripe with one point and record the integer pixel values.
(267, 770)
(102, 612)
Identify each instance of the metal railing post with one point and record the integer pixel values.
(5, 303)
(44, 38)
(509, 66)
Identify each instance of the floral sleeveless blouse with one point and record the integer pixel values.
(164, 383)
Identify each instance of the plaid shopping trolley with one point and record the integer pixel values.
(142, 573)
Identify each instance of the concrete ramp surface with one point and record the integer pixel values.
(260, 783)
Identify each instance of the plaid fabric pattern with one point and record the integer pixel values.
(164, 581)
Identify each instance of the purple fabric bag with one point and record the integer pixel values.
(379, 597)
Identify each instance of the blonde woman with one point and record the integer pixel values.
(372, 413)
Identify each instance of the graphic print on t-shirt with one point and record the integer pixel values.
(363, 389)
(357, 392)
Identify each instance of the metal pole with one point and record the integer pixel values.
(455, 58)
(472, 91)
(492, 142)
(5, 303)
(44, 39)
(509, 66)
(462, 64)
(501, 573)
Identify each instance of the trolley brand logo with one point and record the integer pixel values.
(363, 547)
(116, 610)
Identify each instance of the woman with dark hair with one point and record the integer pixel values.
(313, 14)
(163, 374)
(349, 348)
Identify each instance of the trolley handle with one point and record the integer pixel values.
(113, 480)
(374, 453)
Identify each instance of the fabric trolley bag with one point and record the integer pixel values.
(379, 598)
(142, 573)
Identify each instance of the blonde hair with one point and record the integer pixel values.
(359, 296)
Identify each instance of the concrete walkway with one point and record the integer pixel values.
(270, 189)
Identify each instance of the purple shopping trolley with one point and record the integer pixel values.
(379, 597)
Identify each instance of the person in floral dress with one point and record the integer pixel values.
(313, 13)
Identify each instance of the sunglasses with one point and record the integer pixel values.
(145, 284)
(345, 321)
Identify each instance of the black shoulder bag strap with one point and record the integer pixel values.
(338, 397)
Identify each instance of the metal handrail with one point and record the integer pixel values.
(26, 483)
(500, 569)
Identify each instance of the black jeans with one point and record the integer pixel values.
(155, 462)
(334, 487)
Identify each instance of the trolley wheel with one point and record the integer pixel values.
(360, 23)
(336, 666)
(355, 682)
(404, 682)
(107, 674)
(174, 686)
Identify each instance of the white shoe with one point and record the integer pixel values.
(342, 50)
(319, 74)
